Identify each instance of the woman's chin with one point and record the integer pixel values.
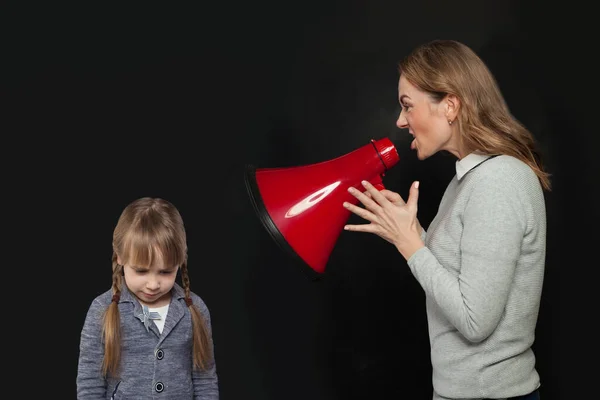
(421, 155)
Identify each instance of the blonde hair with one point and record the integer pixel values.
(149, 228)
(443, 67)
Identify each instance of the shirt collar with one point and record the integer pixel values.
(469, 162)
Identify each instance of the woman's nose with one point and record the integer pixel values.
(401, 122)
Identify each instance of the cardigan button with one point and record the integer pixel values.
(159, 387)
(159, 354)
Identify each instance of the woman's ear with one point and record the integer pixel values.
(452, 107)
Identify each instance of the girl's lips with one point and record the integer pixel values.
(413, 144)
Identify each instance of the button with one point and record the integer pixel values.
(159, 354)
(159, 387)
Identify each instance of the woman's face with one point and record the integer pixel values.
(427, 120)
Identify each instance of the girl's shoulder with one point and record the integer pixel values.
(103, 299)
(97, 308)
(198, 301)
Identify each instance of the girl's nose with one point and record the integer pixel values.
(152, 284)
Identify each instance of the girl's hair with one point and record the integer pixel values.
(149, 228)
(443, 67)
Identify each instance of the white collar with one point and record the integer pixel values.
(469, 162)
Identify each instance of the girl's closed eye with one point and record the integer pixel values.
(168, 272)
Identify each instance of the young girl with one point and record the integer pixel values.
(148, 337)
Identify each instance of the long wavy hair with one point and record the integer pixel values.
(443, 67)
(149, 228)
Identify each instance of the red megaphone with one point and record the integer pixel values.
(301, 207)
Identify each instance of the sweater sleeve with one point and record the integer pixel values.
(90, 383)
(493, 228)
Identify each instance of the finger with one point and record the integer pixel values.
(375, 194)
(370, 228)
(413, 196)
(392, 196)
(367, 201)
(388, 194)
(361, 212)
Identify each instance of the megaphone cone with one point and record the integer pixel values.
(301, 207)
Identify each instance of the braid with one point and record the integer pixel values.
(117, 280)
(200, 334)
(185, 280)
(112, 324)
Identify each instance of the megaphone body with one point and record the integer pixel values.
(301, 207)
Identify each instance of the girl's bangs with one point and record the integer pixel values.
(144, 250)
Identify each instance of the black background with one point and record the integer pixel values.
(105, 103)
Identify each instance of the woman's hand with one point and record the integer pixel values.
(390, 217)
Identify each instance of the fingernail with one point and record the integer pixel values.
(416, 184)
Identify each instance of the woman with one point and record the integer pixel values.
(481, 261)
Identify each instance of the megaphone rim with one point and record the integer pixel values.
(268, 223)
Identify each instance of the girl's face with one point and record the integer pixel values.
(152, 286)
(427, 120)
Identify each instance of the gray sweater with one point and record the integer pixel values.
(482, 271)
